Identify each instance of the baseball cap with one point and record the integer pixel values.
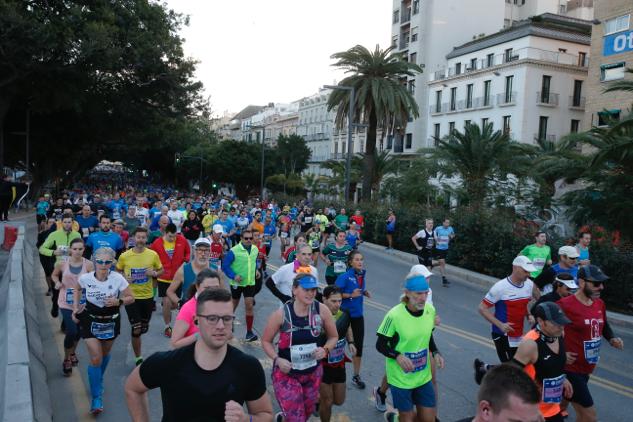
(567, 281)
(417, 283)
(218, 229)
(308, 282)
(419, 269)
(568, 251)
(550, 311)
(524, 262)
(203, 241)
(592, 273)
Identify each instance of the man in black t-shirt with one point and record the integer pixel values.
(208, 380)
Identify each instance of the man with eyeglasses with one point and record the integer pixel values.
(567, 263)
(240, 266)
(583, 337)
(207, 380)
(186, 274)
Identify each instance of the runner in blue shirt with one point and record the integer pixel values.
(104, 239)
(443, 235)
(270, 231)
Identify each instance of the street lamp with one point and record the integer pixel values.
(261, 182)
(350, 125)
(178, 157)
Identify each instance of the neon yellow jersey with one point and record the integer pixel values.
(134, 266)
(208, 221)
(414, 335)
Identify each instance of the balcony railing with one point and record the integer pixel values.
(404, 43)
(549, 138)
(546, 99)
(316, 137)
(406, 16)
(507, 98)
(577, 102)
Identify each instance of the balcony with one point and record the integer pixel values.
(506, 98)
(577, 103)
(548, 99)
(315, 137)
(404, 43)
(406, 16)
(548, 138)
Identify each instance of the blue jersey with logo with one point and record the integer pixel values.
(443, 237)
(105, 239)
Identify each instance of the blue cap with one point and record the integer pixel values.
(308, 282)
(417, 284)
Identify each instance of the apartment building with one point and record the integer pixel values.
(315, 126)
(611, 54)
(269, 122)
(425, 31)
(527, 79)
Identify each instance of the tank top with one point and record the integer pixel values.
(336, 357)
(69, 282)
(299, 338)
(548, 374)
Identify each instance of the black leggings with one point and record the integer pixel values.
(358, 330)
(504, 351)
(5, 203)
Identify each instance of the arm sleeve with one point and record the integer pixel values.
(607, 331)
(275, 291)
(226, 264)
(432, 346)
(45, 249)
(384, 347)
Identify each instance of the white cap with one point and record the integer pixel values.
(218, 229)
(419, 269)
(568, 251)
(524, 262)
(202, 241)
(569, 283)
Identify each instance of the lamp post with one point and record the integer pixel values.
(179, 156)
(350, 125)
(261, 181)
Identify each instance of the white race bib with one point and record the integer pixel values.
(103, 331)
(302, 356)
(340, 266)
(592, 350)
(553, 389)
(337, 354)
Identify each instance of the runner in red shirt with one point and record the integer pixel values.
(359, 220)
(216, 253)
(588, 316)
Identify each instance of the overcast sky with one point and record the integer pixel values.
(261, 51)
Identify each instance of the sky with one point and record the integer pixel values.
(262, 51)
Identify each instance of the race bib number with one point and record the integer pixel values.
(258, 263)
(307, 220)
(283, 235)
(302, 356)
(214, 263)
(419, 359)
(337, 354)
(514, 341)
(553, 389)
(592, 350)
(138, 276)
(442, 241)
(103, 331)
(314, 244)
(539, 263)
(70, 298)
(85, 231)
(340, 267)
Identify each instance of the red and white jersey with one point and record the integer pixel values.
(510, 302)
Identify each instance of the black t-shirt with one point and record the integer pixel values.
(192, 394)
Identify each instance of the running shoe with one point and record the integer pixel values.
(167, 332)
(138, 360)
(380, 400)
(391, 416)
(251, 336)
(445, 282)
(358, 382)
(67, 367)
(480, 370)
(96, 406)
(73, 359)
(55, 311)
(279, 417)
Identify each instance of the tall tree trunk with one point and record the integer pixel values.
(369, 160)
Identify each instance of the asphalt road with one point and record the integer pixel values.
(462, 336)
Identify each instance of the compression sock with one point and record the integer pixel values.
(104, 363)
(94, 377)
(155, 291)
(249, 323)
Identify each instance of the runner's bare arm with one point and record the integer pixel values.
(136, 397)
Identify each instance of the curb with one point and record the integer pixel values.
(485, 281)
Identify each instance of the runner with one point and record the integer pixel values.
(588, 315)
(173, 251)
(186, 275)
(443, 234)
(100, 320)
(335, 257)
(118, 227)
(564, 285)
(285, 225)
(314, 240)
(140, 266)
(341, 221)
(352, 236)
(353, 285)
(185, 329)
(567, 263)
(280, 283)
(217, 248)
(47, 262)
(65, 276)
(131, 223)
(403, 338)
(104, 238)
(539, 253)
(192, 227)
(227, 225)
(208, 380)
(300, 240)
(88, 223)
(359, 220)
(270, 233)
(175, 215)
(390, 228)
(425, 252)
(510, 297)
(584, 239)
(306, 219)
(257, 225)
(240, 266)
(296, 371)
(241, 223)
(332, 390)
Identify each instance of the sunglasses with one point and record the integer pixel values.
(104, 262)
(247, 238)
(596, 283)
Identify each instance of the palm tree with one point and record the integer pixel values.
(313, 183)
(337, 167)
(478, 156)
(385, 164)
(381, 97)
(623, 85)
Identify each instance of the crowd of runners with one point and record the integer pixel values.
(199, 257)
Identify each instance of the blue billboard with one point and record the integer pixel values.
(618, 43)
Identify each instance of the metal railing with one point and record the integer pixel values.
(549, 138)
(406, 16)
(546, 98)
(507, 98)
(577, 102)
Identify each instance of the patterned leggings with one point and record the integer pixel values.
(297, 394)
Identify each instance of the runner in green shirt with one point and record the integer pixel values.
(335, 257)
(539, 253)
(341, 221)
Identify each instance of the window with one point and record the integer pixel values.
(466, 123)
(411, 86)
(575, 124)
(621, 23)
(607, 116)
(490, 60)
(438, 101)
(545, 86)
(582, 59)
(413, 58)
(394, 41)
(451, 127)
(576, 98)
(507, 55)
(610, 72)
(484, 122)
(396, 16)
(458, 68)
(542, 127)
(414, 34)
(487, 93)
(416, 7)
(453, 98)
(506, 124)
(473, 64)
(508, 89)
(436, 133)
(335, 147)
(389, 141)
(408, 140)
(469, 96)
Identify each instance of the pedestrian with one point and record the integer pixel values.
(208, 380)
(100, 319)
(296, 369)
(65, 276)
(353, 285)
(390, 228)
(443, 234)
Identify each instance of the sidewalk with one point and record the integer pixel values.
(484, 281)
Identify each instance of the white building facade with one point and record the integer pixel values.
(527, 80)
(315, 126)
(426, 30)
